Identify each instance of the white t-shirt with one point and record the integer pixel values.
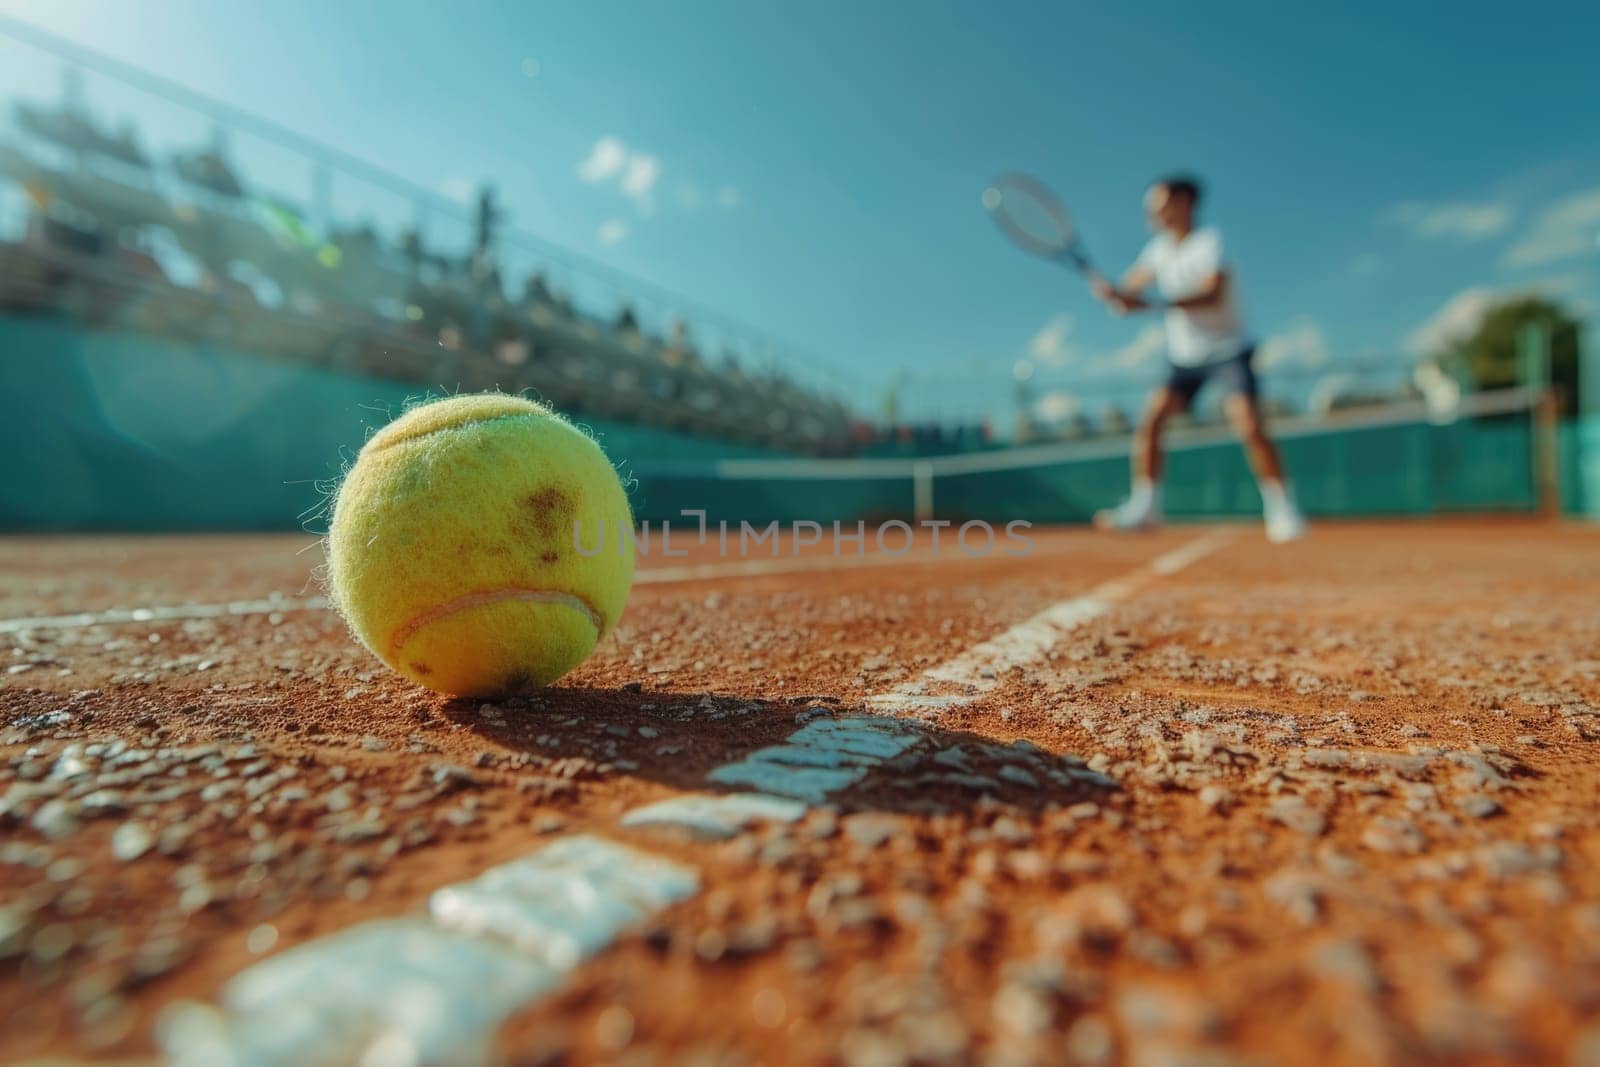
(1203, 335)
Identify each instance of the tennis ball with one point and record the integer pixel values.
(453, 556)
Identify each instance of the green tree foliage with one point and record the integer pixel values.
(1489, 359)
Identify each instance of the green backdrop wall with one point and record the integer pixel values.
(1408, 468)
(126, 432)
(122, 432)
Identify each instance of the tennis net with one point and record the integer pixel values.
(1390, 459)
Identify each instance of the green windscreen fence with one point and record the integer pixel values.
(1398, 459)
(119, 432)
(1580, 466)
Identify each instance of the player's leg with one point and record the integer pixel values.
(1149, 458)
(1142, 509)
(1244, 415)
(1283, 518)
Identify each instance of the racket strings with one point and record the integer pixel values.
(1029, 214)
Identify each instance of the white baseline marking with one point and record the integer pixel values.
(439, 987)
(981, 668)
(694, 572)
(431, 990)
(171, 613)
(828, 755)
(760, 568)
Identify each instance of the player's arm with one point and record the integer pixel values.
(1210, 293)
(1127, 295)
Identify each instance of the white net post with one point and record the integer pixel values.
(922, 490)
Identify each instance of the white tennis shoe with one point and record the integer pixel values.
(1132, 514)
(1285, 523)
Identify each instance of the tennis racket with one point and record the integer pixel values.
(1036, 221)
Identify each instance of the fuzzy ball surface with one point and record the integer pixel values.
(453, 554)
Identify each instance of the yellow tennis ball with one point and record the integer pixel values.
(453, 555)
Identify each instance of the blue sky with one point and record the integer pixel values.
(1379, 170)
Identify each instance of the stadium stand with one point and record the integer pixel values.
(187, 247)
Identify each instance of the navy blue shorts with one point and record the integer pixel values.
(1235, 375)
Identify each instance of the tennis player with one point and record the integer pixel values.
(1206, 342)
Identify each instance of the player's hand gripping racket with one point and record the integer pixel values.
(1037, 222)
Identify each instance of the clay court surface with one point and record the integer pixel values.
(1175, 799)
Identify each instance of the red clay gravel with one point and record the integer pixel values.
(1352, 819)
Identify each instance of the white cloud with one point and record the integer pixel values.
(461, 190)
(1146, 346)
(1303, 345)
(612, 231)
(634, 172)
(1365, 265)
(1452, 323)
(1458, 221)
(1049, 346)
(1570, 283)
(637, 175)
(640, 175)
(1575, 291)
(1329, 388)
(1057, 407)
(1461, 315)
(604, 161)
(639, 182)
(1567, 228)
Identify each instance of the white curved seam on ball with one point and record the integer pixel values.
(399, 638)
(452, 426)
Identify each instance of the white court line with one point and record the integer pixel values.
(434, 989)
(442, 986)
(171, 613)
(828, 755)
(696, 572)
(982, 668)
(758, 568)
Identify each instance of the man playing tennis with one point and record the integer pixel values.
(1206, 341)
